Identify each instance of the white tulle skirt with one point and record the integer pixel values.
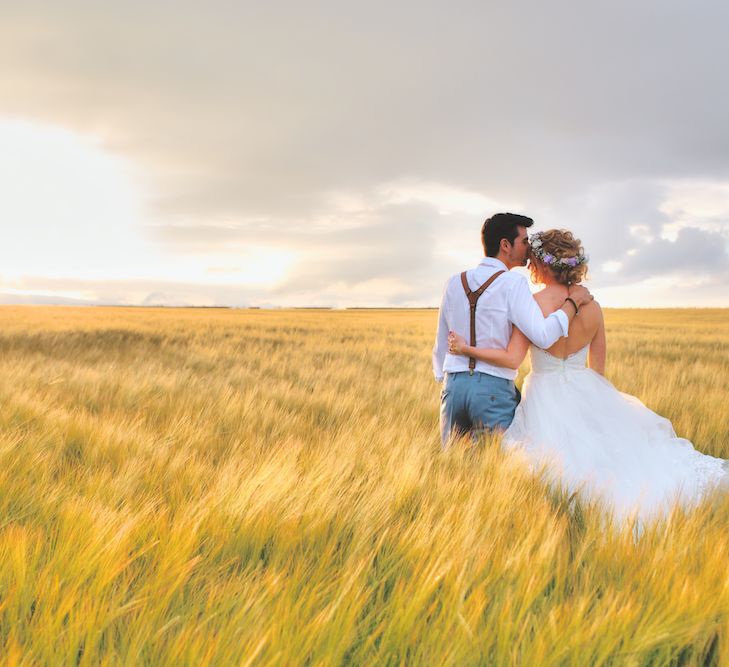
(604, 444)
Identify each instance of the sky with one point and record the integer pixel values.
(346, 154)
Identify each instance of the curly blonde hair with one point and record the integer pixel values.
(559, 244)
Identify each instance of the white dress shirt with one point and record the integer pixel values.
(506, 302)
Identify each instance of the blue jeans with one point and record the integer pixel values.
(475, 403)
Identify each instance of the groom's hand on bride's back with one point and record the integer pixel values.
(580, 294)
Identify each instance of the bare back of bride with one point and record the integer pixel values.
(589, 437)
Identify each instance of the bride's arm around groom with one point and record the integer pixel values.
(506, 302)
(487, 302)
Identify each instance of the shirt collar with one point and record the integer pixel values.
(493, 262)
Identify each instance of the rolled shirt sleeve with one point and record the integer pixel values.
(525, 313)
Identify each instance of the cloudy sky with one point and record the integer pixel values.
(334, 153)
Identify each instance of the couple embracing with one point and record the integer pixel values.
(571, 421)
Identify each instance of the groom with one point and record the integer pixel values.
(479, 396)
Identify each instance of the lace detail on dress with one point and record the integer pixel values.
(544, 362)
(710, 473)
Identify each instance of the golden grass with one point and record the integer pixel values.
(263, 488)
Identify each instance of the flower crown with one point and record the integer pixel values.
(535, 242)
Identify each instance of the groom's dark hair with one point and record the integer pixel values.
(501, 226)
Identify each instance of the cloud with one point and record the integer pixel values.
(41, 289)
(10, 298)
(369, 141)
(694, 251)
(249, 109)
(603, 215)
(395, 245)
(635, 231)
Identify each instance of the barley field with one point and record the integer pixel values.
(249, 487)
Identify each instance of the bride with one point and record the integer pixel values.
(608, 445)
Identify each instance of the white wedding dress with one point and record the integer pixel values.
(605, 444)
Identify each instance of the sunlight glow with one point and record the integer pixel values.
(259, 265)
(71, 211)
(445, 198)
(68, 208)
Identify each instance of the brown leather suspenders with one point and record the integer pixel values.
(473, 297)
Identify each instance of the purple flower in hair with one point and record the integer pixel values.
(548, 259)
(572, 261)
